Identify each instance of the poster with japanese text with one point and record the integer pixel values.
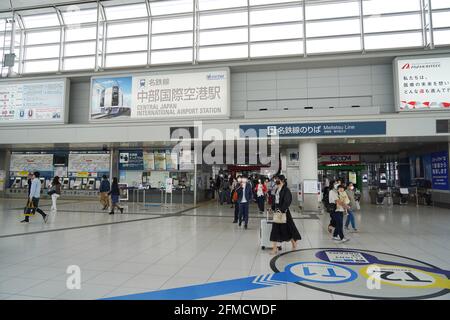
(195, 95)
(423, 83)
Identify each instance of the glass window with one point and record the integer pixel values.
(41, 20)
(172, 41)
(129, 59)
(321, 10)
(172, 24)
(79, 49)
(41, 66)
(223, 36)
(74, 16)
(124, 45)
(171, 7)
(441, 19)
(223, 20)
(333, 45)
(42, 52)
(43, 37)
(259, 16)
(398, 40)
(220, 4)
(261, 2)
(441, 37)
(392, 23)
(389, 6)
(289, 31)
(126, 11)
(223, 52)
(84, 33)
(79, 63)
(127, 29)
(171, 56)
(329, 28)
(276, 48)
(440, 4)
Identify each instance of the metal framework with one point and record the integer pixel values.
(182, 36)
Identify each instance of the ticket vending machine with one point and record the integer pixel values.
(77, 184)
(91, 184)
(65, 183)
(17, 183)
(43, 185)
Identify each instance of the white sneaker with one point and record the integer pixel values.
(336, 238)
(345, 240)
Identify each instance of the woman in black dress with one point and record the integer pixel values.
(282, 232)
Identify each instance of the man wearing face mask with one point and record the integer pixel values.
(236, 187)
(245, 196)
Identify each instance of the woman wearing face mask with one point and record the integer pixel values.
(282, 232)
(260, 191)
(351, 217)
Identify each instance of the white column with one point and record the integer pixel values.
(308, 171)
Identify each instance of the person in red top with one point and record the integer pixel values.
(261, 191)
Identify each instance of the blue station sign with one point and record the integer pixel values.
(314, 129)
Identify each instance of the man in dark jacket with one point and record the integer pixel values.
(245, 196)
(104, 189)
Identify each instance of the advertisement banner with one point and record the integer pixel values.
(160, 160)
(196, 94)
(131, 160)
(32, 101)
(171, 160)
(149, 161)
(314, 129)
(423, 83)
(439, 170)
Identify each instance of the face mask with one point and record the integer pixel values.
(259, 181)
(336, 186)
(352, 187)
(239, 180)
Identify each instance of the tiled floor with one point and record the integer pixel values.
(161, 249)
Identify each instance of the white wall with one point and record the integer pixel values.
(319, 88)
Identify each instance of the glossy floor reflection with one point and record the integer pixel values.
(165, 248)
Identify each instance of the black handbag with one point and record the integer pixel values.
(331, 207)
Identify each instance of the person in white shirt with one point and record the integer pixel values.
(341, 200)
(34, 196)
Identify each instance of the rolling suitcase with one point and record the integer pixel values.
(264, 232)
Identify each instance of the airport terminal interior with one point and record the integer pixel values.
(231, 150)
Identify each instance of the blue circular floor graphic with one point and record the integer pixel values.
(376, 275)
(349, 272)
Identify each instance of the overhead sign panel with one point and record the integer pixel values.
(314, 129)
(33, 101)
(422, 83)
(194, 95)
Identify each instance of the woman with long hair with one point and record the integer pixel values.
(55, 192)
(282, 232)
(115, 194)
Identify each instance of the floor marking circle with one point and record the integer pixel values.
(379, 275)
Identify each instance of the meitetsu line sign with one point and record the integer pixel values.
(361, 128)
